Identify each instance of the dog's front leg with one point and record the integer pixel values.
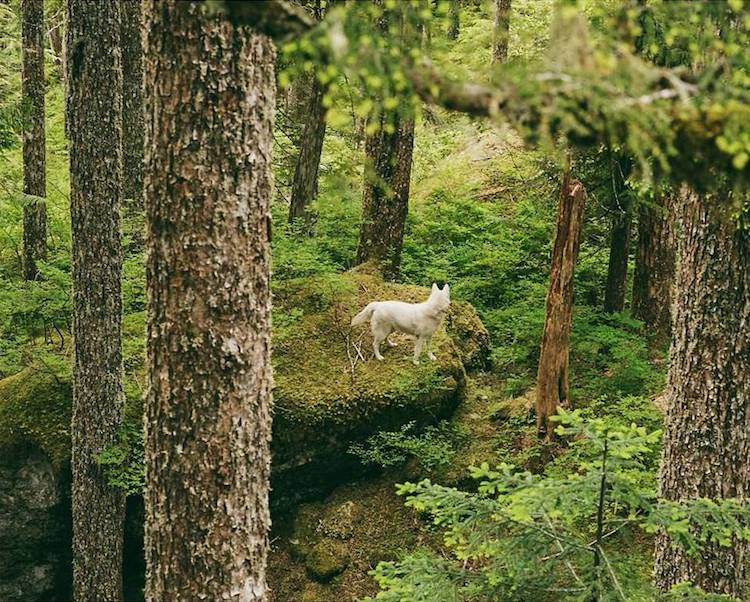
(430, 354)
(418, 350)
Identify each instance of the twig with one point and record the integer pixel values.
(562, 549)
(616, 583)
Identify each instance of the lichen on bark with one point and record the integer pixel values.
(34, 179)
(95, 129)
(707, 428)
(210, 97)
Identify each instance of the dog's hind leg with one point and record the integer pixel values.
(378, 336)
(418, 350)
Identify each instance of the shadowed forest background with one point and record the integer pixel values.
(196, 195)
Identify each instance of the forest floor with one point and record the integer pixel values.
(325, 550)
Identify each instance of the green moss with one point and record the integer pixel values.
(35, 407)
(326, 395)
(330, 391)
(326, 560)
(341, 532)
(469, 334)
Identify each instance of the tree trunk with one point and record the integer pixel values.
(706, 435)
(94, 83)
(56, 45)
(501, 31)
(617, 273)
(385, 199)
(552, 376)
(132, 105)
(34, 181)
(208, 186)
(655, 268)
(305, 183)
(454, 19)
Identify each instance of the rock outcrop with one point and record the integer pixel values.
(329, 393)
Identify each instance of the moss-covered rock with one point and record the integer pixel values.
(35, 407)
(356, 527)
(469, 335)
(34, 509)
(327, 559)
(329, 391)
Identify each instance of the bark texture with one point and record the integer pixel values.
(385, 199)
(655, 268)
(94, 105)
(34, 180)
(619, 246)
(132, 105)
(55, 35)
(552, 376)
(707, 429)
(501, 32)
(208, 183)
(305, 183)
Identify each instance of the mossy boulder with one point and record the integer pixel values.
(35, 409)
(329, 390)
(356, 527)
(34, 503)
(326, 560)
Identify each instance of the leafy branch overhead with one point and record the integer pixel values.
(590, 89)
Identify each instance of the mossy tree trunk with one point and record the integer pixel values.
(94, 109)
(501, 31)
(706, 437)
(34, 180)
(619, 245)
(208, 186)
(655, 267)
(552, 375)
(132, 105)
(385, 199)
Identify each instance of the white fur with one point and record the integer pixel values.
(420, 320)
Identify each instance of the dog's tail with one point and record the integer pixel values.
(364, 315)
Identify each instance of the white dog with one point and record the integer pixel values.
(420, 320)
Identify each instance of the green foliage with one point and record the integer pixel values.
(123, 462)
(685, 592)
(525, 536)
(33, 310)
(432, 446)
(612, 74)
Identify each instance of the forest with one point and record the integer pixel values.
(375, 300)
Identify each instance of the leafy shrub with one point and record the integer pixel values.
(433, 446)
(123, 462)
(523, 536)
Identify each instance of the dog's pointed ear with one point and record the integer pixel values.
(447, 289)
(434, 287)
